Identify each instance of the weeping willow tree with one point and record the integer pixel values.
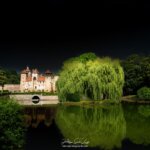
(91, 76)
(103, 128)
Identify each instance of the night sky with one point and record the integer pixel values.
(42, 34)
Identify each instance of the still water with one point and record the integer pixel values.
(124, 127)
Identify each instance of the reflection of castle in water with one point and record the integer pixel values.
(36, 115)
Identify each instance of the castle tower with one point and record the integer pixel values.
(33, 81)
(54, 85)
(28, 71)
(23, 77)
(35, 75)
(49, 81)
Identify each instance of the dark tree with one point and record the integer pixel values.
(3, 78)
(137, 73)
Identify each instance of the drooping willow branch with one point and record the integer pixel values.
(99, 78)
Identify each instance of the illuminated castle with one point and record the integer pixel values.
(34, 81)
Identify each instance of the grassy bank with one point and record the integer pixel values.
(134, 99)
(124, 99)
(87, 102)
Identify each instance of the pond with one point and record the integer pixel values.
(108, 127)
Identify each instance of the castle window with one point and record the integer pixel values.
(34, 78)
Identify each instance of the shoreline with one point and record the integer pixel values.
(134, 99)
(53, 99)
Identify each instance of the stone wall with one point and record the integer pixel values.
(28, 96)
(11, 87)
(27, 99)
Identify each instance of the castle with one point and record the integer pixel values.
(34, 81)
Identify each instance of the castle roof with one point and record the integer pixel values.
(27, 69)
(35, 71)
(28, 79)
(24, 71)
(48, 72)
(41, 78)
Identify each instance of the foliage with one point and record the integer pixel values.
(3, 78)
(90, 76)
(75, 97)
(11, 125)
(8, 77)
(4, 92)
(144, 93)
(102, 127)
(12, 77)
(86, 57)
(137, 73)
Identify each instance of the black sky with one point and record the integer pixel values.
(44, 33)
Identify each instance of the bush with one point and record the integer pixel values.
(73, 97)
(144, 93)
(11, 125)
(4, 92)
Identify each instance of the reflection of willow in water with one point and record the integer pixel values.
(103, 128)
(138, 123)
(35, 115)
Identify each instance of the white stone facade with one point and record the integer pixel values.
(33, 81)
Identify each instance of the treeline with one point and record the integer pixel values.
(8, 76)
(137, 73)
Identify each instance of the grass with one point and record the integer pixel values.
(87, 103)
(134, 99)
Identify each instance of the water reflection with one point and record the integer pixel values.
(138, 123)
(102, 127)
(105, 127)
(35, 115)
